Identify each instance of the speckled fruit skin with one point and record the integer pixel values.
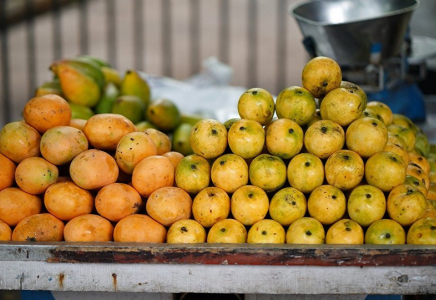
(305, 172)
(321, 75)
(266, 231)
(366, 136)
(229, 172)
(323, 138)
(366, 204)
(305, 230)
(208, 138)
(186, 231)
(256, 104)
(344, 169)
(423, 232)
(211, 205)
(385, 232)
(342, 106)
(284, 138)
(297, 104)
(246, 138)
(267, 172)
(385, 170)
(249, 204)
(227, 231)
(345, 231)
(287, 205)
(327, 204)
(406, 204)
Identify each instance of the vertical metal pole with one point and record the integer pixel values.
(7, 113)
(194, 28)
(57, 30)
(83, 27)
(138, 35)
(166, 38)
(224, 31)
(31, 61)
(282, 37)
(111, 32)
(252, 44)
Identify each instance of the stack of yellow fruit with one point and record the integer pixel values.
(332, 168)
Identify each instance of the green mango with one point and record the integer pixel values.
(110, 95)
(190, 118)
(129, 106)
(49, 87)
(164, 114)
(134, 84)
(180, 139)
(80, 111)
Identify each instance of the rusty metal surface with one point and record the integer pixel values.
(210, 254)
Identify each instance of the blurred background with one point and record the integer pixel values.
(259, 40)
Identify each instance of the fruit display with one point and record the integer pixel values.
(92, 86)
(320, 164)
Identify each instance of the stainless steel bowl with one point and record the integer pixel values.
(348, 30)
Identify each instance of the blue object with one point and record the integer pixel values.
(383, 297)
(406, 99)
(36, 295)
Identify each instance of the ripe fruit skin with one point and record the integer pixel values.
(39, 228)
(246, 138)
(186, 231)
(256, 104)
(35, 174)
(345, 231)
(227, 231)
(385, 232)
(321, 75)
(305, 230)
(406, 204)
(366, 204)
(104, 131)
(326, 204)
(5, 232)
(249, 204)
(342, 106)
(385, 170)
(93, 169)
(132, 148)
(139, 229)
(381, 109)
(284, 138)
(323, 138)
(267, 172)
(59, 145)
(266, 231)
(211, 205)
(66, 200)
(366, 136)
(15, 205)
(18, 141)
(296, 104)
(88, 228)
(208, 138)
(117, 200)
(423, 232)
(344, 169)
(193, 174)
(160, 139)
(287, 205)
(7, 172)
(305, 172)
(48, 111)
(229, 172)
(168, 205)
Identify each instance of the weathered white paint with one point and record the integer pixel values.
(166, 278)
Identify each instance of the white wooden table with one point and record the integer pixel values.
(209, 268)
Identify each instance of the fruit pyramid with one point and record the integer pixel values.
(319, 164)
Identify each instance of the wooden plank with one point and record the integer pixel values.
(215, 254)
(195, 278)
